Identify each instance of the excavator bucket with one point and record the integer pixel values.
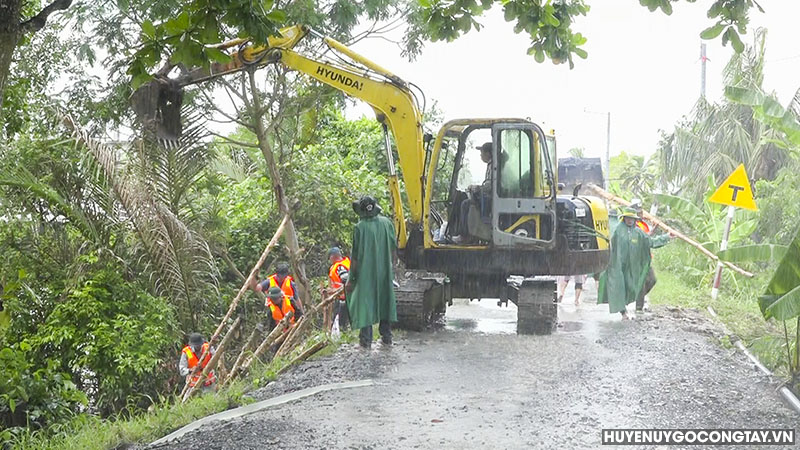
(157, 106)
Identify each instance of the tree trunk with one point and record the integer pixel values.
(9, 38)
(280, 197)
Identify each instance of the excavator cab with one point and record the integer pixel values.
(494, 182)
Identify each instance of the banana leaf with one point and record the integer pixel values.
(684, 209)
(752, 253)
(782, 297)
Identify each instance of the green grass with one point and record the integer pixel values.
(88, 432)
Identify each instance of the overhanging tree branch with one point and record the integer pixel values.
(38, 21)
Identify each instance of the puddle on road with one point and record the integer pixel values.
(484, 316)
(488, 326)
(569, 327)
(481, 316)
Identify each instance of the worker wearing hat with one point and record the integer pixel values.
(279, 304)
(650, 281)
(282, 280)
(338, 274)
(190, 357)
(624, 280)
(370, 291)
(636, 205)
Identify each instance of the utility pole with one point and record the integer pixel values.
(703, 60)
(607, 178)
(607, 159)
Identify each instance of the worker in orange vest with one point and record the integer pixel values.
(282, 280)
(190, 357)
(650, 281)
(338, 275)
(279, 304)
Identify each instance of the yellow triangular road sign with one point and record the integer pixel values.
(735, 191)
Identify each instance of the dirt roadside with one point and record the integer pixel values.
(476, 384)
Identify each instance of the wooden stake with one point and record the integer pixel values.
(274, 335)
(240, 358)
(656, 221)
(213, 362)
(304, 323)
(247, 283)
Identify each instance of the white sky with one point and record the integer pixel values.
(643, 67)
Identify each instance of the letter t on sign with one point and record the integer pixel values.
(735, 190)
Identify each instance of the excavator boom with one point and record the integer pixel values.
(360, 78)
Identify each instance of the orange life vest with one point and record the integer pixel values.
(193, 359)
(643, 225)
(333, 274)
(278, 313)
(286, 287)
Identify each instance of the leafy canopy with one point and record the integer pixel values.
(548, 23)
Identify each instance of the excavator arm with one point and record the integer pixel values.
(389, 96)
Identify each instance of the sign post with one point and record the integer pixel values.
(735, 192)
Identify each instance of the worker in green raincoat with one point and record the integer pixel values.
(370, 288)
(629, 264)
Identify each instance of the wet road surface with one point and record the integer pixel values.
(476, 384)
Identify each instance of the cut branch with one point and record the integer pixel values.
(303, 356)
(297, 331)
(38, 21)
(276, 333)
(240, 358)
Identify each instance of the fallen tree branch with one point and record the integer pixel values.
(657, 222)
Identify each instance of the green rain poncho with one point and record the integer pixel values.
(372, 298)
(627, 269)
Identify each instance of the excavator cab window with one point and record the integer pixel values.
(515, 165)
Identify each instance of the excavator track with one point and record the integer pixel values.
(420, 298)
(537, 312)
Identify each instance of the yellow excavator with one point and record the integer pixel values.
(493, 227)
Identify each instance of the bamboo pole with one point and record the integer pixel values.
(303, 356)
(656, 221)
(240, 358)
(296, 330)
(302, 325)
(214, 359)
(273, 336)
(280, 339)
(245, 286)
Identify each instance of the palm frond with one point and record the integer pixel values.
(21, 177)
(178, 259)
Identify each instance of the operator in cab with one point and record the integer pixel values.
(479, 203)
